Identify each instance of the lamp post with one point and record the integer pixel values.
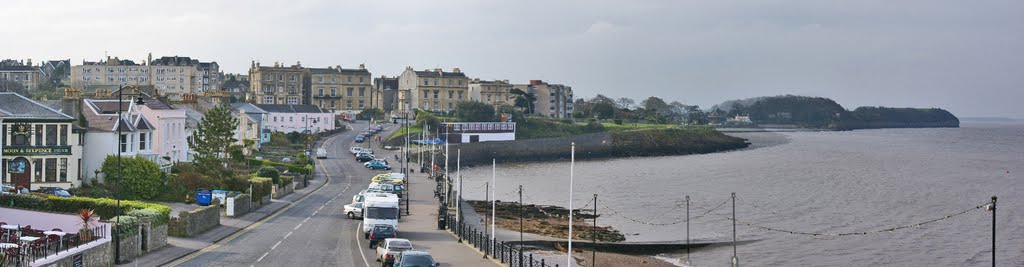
(117, 221)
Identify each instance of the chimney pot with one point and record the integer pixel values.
(456, 70)
(362, 66)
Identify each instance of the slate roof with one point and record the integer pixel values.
(174, 61)
(338, 71)
(102, 116)
(16, 106)
(441, 74)
(290, 108)
(248, 107)
(156, 104)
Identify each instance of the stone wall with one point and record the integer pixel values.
(587, 146)
(131, 246)
(102, 254)
(243, 204)
(282, 191)
(156, 236)
(299, 184)
(191, 223)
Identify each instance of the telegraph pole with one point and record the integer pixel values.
(520, 223)
(593, 235)
(687, 262)
(735, 260)
(993, 209)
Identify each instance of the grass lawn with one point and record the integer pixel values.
(612, 127)
(401, 132)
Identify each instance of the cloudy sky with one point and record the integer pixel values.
(965, 56)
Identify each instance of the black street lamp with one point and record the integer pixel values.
(117, 221)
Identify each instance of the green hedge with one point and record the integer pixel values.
(104, 207)
(155, 215)
(128, 225)
(261, 187)
(292, 168)
(286, 180)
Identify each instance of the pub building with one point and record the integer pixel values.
(40, 146)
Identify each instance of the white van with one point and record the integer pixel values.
(321, 153)
(379, 209)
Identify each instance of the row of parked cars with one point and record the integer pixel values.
(56, 191)
(369, 133)
(379, 207)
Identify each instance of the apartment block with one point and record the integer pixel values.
(434, 90)
(553, 100)
(342, 90)
(279, 84)
(387, 90)
(496, 93)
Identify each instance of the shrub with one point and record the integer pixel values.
(32, 202)
(268, 172)
(286, 180)
(140, 178)
(192, 180)
(104, 207)
(127, 225)
(155, 216)
(237, 183)
(618, 121)
(261, 187)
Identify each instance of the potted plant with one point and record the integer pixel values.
(87, 216)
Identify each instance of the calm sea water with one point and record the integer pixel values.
(819, 182)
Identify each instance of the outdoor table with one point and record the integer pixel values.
(29, 238)
(8, 245)
(57, 233)
(10, 227)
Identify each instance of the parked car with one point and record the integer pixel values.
(414, 258)
(6, 189)
(354, 210)
(360, 139)
(381, 232)
(364, 157)
(286, 160)
(321, 153)
(56, 191)
(390, 248)
(378, 165)
(367, 164)
(355, 150)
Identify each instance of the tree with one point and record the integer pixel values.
(655, 107)
(473, 111)
(369, 113)
(625, 102)
(426, 117)
(140, 178)
(599, 98)
(213, 137)
(603, 110)
(524, 100)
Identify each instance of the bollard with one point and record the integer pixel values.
(531, 259)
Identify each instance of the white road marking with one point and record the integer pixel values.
(307, 218)
(296, 228)
(275, 245)
(268, 252)
(359, 232)
(314, 213)
(289, 234)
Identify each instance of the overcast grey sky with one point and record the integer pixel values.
(965, 56)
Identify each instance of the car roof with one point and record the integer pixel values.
(415, 252)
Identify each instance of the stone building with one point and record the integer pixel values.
(209, 77)
(341, 90)
(14, 73)
(39, 146)
(496, 93)
(282, 85)
(173, 77)
(386, 89)
(433, 90)
(553, 100)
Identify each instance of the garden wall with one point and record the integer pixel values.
(191, 223)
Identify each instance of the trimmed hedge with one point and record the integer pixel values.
(261, 187)
(286, 180)
(292, 168)
(104, 207)
(128, 225)
(155, 216)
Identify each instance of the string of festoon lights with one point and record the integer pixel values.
(684, 220)
(858, 233)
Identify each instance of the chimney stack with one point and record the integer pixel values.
(456, 70)
(362, 66)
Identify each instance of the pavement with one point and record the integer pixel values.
(308, 228)
(178, 247)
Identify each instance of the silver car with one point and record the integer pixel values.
(354, 210)
(387, 252)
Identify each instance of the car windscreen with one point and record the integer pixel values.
(399, 245)
(382, 213)
(417, 260)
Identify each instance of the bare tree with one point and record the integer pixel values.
(625, 102)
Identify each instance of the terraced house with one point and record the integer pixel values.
(496, 93)
(432, 90)
(19, 73)
(279, 84)
(40, 146)
(341, 90)
(173, 77)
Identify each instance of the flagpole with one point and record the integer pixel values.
(572, 166)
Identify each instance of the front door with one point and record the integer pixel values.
(20, 170)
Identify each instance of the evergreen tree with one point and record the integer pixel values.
(213, 137)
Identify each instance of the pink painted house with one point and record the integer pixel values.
(297, 118)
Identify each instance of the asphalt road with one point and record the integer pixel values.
(313, 232)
